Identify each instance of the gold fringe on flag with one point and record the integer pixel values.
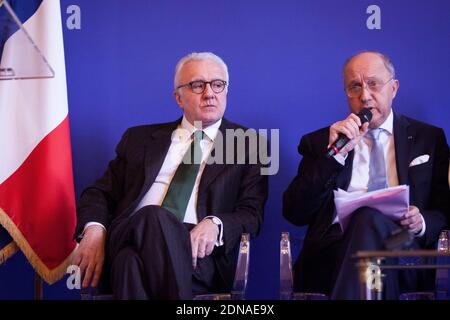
(49, 276)
(8, 251)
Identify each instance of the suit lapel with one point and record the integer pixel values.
(343, 179)
(155, 152)
(211, 171)
(403, 140)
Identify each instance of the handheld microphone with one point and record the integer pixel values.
(365, 116)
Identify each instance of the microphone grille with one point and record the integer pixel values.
(365, 115)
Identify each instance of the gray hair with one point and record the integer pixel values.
(199, 56)
(386, 60)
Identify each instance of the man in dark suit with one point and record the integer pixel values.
(390, 150)
(169, 210)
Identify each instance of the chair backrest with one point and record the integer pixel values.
(442, 275)
(286, 278)
(240, 276)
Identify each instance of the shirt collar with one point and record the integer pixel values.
(388, 124)
(210, 131)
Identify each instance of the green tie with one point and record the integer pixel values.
(180, 188)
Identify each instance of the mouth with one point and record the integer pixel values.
(207, 106)
(372, 109)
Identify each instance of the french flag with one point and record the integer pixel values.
(37, 202)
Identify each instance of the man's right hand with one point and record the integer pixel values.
(90, 255)
(351, 128)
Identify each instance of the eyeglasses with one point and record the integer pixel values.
(373, 85)
(199, 86)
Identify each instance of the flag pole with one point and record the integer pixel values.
(38, 292)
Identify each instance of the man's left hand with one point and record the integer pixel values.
(203, 239)
(413, 220)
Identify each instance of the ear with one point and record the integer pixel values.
(395, 87)
(178, 99)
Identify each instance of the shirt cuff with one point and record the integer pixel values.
(422, 232)
(219, 241)
(87, 225)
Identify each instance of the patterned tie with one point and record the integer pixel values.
(377, 167)
(180, 188)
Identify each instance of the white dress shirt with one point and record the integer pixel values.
(361, 161)
(181, 140)
(360, 171)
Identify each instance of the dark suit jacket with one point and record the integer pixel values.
(236, 193)
(309, 198)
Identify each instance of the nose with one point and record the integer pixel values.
(366, 95)
(208, 93)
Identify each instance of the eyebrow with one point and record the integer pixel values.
(197, 79)
(373, 78)
(206, 80)
(352, 82)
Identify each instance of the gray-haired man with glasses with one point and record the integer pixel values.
(169, 220)
(389, 150)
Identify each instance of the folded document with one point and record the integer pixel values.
(393, 202)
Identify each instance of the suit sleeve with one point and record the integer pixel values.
(248, 213)
(313, 185)
(437, 213)
(98, 202)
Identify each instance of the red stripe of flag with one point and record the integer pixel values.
(39, 197)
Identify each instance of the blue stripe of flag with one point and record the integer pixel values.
(24, 9)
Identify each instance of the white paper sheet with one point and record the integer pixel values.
(393, 202)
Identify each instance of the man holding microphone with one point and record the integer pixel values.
(360, 156)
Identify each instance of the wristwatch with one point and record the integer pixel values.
(216, 221)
